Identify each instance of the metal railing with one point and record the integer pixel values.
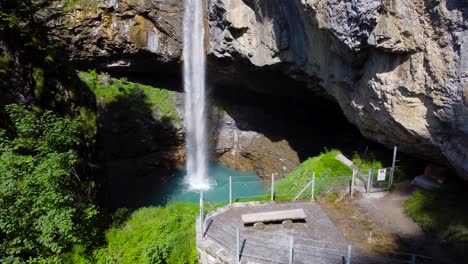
(266, 247)
(304, 187)
(293, 248)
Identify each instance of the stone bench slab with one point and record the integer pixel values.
(296, 214)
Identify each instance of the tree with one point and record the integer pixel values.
(42, 209)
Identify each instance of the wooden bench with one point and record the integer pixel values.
(285, 216)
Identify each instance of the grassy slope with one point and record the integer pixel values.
(150, 235)
(325, 166)
(159, 100)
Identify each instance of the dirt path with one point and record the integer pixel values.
(388, 211)
(359, 227)
(378, 223)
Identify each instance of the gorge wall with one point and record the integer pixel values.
(398, 69)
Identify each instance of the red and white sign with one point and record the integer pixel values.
(381, 175)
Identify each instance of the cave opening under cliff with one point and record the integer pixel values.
(286, 109)
(280, 109)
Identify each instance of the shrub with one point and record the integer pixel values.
(369, 163)
(42, 212)
(153, 235)
(443, 214)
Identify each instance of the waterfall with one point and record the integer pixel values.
(194, 85)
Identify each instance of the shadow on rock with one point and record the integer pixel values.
(138, 149)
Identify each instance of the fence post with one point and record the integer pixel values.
(312, 191)
(393, 165)
(291, 250)
(230, 189)
(237, 245)
(348, 255)
(413, 259)
(202, 215)
(369, 177)
(272, 186)
(351, 192)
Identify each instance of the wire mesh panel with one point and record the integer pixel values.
(360, 181)
(221, 233)
(316, 255)
(250, 190)
(332, 185)
(264, 250)
(380, 180)
(289, 188)
(217, 195)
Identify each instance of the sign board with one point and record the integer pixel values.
(381, 175)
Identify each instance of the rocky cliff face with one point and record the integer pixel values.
(398, 69)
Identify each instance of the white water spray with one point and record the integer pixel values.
(194, 85)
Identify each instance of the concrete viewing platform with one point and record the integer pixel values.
(315, 239)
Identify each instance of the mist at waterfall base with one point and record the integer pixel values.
(175, 189)
(195, 105)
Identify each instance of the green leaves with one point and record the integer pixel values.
(41, 211)
(153, 235)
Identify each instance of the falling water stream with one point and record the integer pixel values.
(194, 85)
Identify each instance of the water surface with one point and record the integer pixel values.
(245, 184)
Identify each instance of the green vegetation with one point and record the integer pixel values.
(110, 90)
(70, 5)
(4, 63)
(220, 105)
(88, 120)
(38, 75)
(443, 214)
(327, 170)
(41, 214)
(7, 21)
(150, 235)
(369, 163)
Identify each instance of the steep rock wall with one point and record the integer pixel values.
(398, 69)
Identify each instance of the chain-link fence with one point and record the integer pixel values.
(246, 188)
(250, 245)
(308, 186)
(247, 245)
(373, 180)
